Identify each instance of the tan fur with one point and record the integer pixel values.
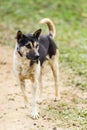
(55, 69)
(50, 25)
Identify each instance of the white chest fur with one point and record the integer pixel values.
(23, 69)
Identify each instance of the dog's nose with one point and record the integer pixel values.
(37, 56)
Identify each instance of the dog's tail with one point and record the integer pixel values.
(52, 31)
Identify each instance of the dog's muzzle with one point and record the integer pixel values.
(32, 57)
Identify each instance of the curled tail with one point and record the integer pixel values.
(50, 25)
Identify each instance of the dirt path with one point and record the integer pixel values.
(13, 114)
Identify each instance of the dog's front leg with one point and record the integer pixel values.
(39, 99)
(22, 86)
(35, 114)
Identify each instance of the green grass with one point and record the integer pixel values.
(73, 50)
(71, 116)
(19, 10)
(70, 19)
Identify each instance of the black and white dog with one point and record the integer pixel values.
(30, 53)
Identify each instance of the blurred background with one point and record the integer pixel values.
(70, 19)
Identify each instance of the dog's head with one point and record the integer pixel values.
(28, 45)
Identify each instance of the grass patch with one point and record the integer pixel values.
(71, 116)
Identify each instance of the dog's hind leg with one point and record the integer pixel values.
(55, 69)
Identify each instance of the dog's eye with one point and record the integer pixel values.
(28, 45)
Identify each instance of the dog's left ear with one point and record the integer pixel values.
(37, 33)
(19, 35)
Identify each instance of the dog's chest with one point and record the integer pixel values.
(24, 70)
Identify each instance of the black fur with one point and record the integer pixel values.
(47, 45)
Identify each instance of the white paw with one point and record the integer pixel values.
(34, 114)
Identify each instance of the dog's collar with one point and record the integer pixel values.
(19, 53)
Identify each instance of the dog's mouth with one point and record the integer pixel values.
(32, 57)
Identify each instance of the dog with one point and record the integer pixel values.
(31, 51)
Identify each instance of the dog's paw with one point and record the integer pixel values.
(35, 114)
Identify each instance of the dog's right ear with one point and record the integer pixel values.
(37, 33)
(19, 35)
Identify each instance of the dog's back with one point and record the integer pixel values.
(47, 46)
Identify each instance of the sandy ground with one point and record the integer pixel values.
(13, 114)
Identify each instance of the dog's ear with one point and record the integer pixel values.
(37, 33)
(19, 35)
